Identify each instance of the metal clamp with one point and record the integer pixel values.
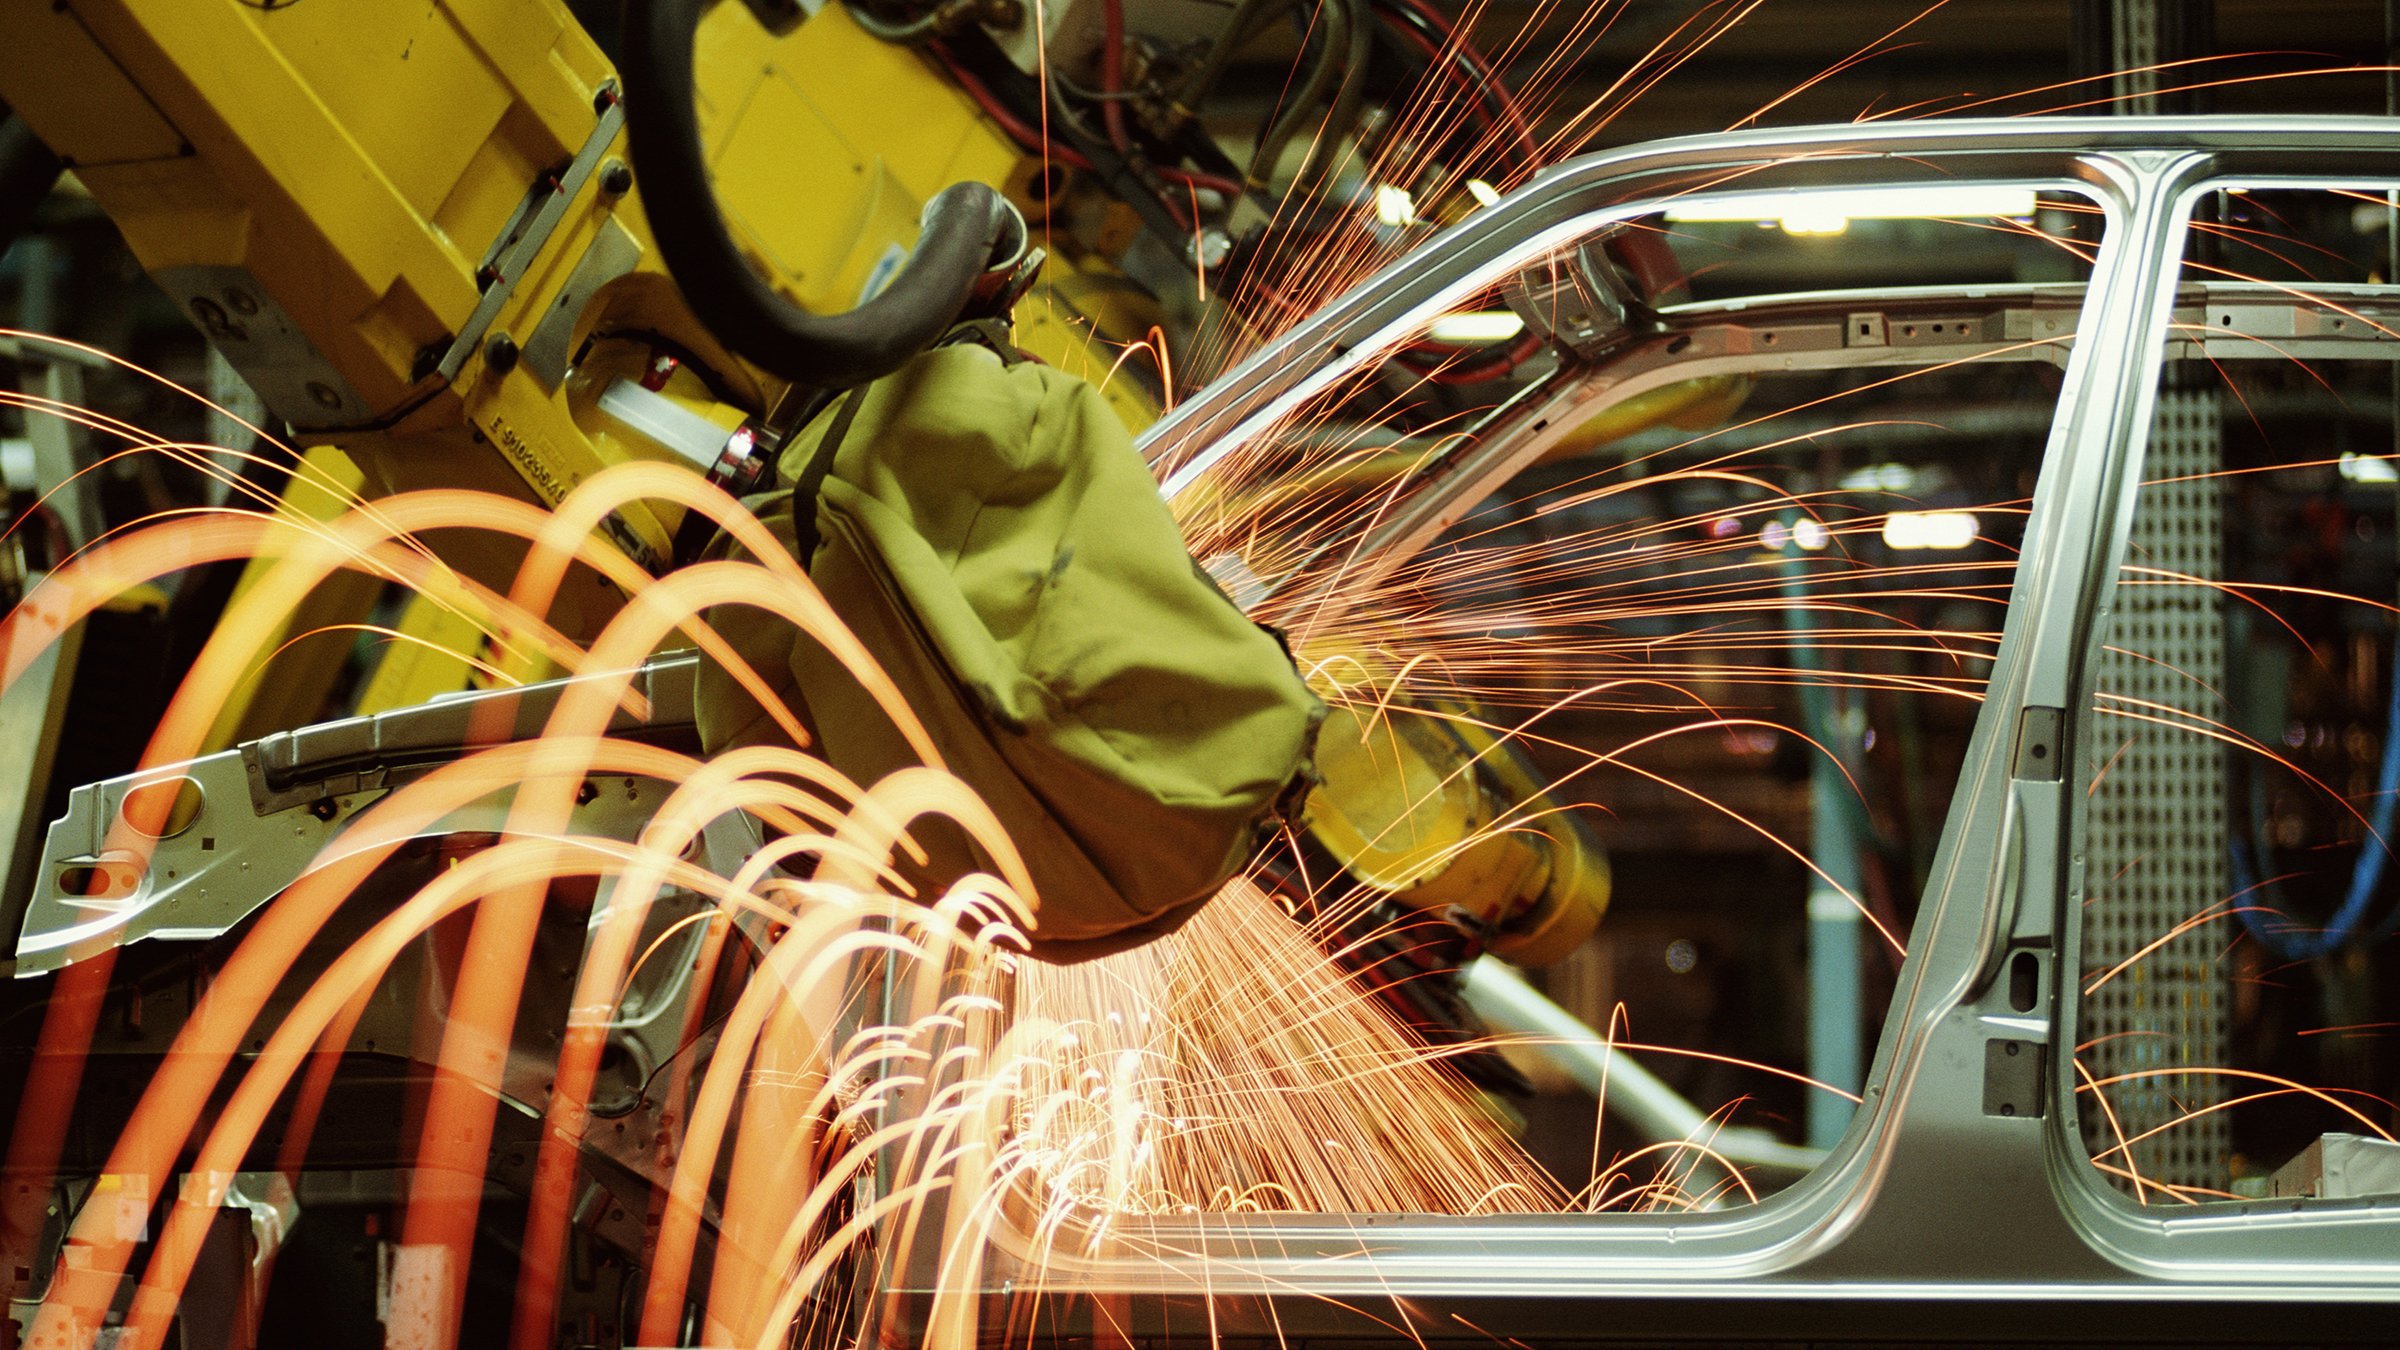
(1580, 304)
(535, 220)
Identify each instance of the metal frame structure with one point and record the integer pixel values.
(1959, 1201)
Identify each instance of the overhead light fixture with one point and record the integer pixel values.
(1819, 213)
(1497, 325)
(1930, 529)
(1483, 193)
(1393, 205)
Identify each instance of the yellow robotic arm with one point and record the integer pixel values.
(363, 206)
(418, 231)
(1442, 812)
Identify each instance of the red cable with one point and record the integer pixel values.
(1440, 69)
(1112, 74)
(1026, 137)
(1501, 93)
(1216, 183)
(1112, 107)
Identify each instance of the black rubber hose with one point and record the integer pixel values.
(1323, 151)
(27, 169)
(1332, 41)
(962, 227)
(1237, 29)
(1130, 177)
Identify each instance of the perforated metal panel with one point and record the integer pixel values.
(2133, 40)
(2156, 1004)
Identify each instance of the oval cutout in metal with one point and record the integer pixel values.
(2024, 981)
(104, 881)
(162, 809)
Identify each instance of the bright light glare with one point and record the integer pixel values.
(1233, 576)
(1814, 218)
(1930, 529)
(1483, 193)
(1481, 326)
(2368, 468)
(1880, 478)
(1810, 534)
(1832, 212)
(1393, 205)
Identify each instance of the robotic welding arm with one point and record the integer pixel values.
(412, 232)
(418, 235)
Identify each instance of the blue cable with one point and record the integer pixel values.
(2285, 938)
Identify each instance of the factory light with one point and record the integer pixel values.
(1393, 205)
(1820, 213)
(1483, 193)
(2368, 468)
(1930, 529)
(1815, 218)
(1811, 534)
(1880, 478)
(1494, 325)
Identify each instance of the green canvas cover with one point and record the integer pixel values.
(989, 532)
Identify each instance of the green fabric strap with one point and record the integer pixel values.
(988, 333)
(812, 479)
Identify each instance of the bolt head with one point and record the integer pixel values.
(500, 353)
(429, 358)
